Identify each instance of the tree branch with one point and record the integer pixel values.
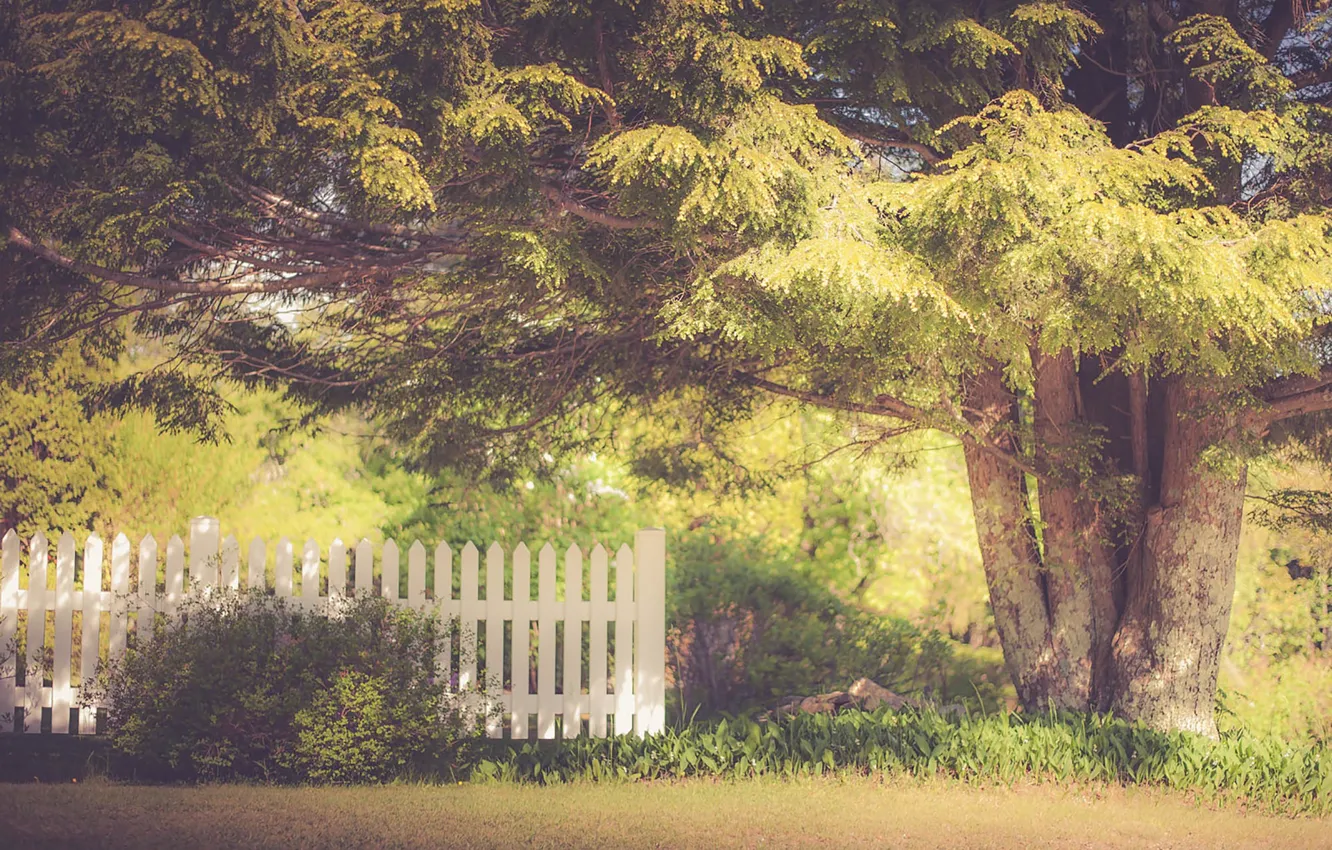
(860, 134)
(313, 280)
(564, 203)
(885, 405)
(1294, 397)
(343, 223)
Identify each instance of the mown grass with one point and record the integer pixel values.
(828, 812)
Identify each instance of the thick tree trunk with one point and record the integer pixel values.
(1057, 603)
(1168, 649)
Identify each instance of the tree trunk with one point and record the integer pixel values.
(1076, 555)
(1017, 590)
(1054, 594)
(1168, 649)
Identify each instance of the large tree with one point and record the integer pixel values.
(1091, 240)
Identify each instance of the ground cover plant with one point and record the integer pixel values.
(1005, 748)
(241, 686)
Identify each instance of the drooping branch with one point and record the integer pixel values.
(244, 286)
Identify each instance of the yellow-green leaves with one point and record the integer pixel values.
(761, 172)
(1218, 57)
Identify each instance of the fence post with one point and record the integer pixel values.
(650, 596)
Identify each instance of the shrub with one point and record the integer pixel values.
(745, 630)
(241, 686)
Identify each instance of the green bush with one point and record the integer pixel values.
(1264, 771)
(745, 630)
(241, 686)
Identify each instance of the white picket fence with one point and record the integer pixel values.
(632, 696)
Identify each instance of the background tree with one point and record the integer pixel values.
(1106, 273)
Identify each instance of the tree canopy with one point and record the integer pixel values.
(1090, 239)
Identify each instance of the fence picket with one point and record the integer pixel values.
(258, 566)
(468, 617)
(118, 627)
(390, 565)
(624, 640)
(282, 569)
(495, 615)
(175, 574)
(636, 693)
(230, 575)
(90, 629)
(34, 670)
(547, 701)
(204, 544)
(520, 651)
(416, 559)
(447, 610)
(650, 630)
(9, 591)
(599, 616)
(310, 573)
(146, 619)
(573, 642)
(62, 693)
(365, 566)
(337, 569)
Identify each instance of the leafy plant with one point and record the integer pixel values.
(1064, 748)
(241, 686)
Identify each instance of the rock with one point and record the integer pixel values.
(822, 704)
(870, 694)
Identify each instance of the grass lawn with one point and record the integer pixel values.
(829, 813)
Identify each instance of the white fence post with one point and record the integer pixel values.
(650, 594)
(624, 641)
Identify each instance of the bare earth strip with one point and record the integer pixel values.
(832, 813)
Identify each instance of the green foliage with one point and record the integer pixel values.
(360, 730)
(239, 686)
(746, 629)
(55, 460)
(1266, 772)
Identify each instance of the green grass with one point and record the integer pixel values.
(808, 812)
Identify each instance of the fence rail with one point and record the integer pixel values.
(625, 689)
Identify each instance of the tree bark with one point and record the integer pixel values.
(1168, 649)
(1076, 557)
(1008, 549)
(1071, 640)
